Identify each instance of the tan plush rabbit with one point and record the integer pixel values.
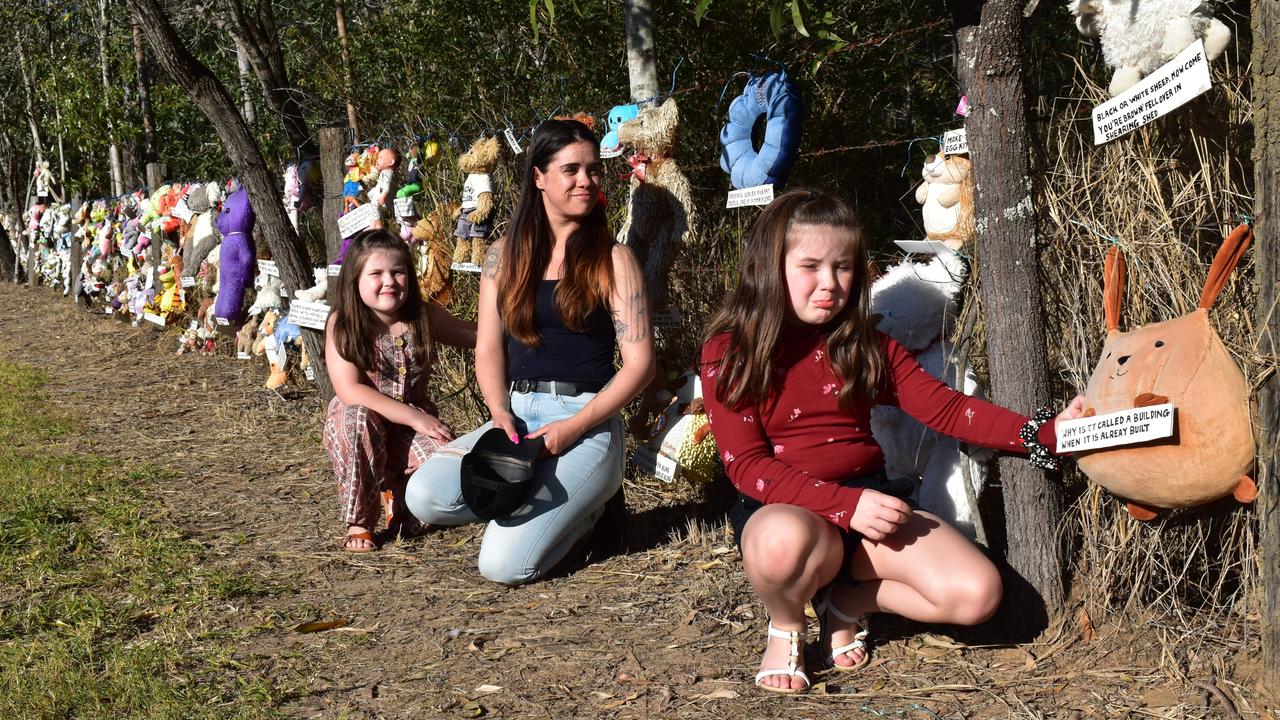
(1182, 361)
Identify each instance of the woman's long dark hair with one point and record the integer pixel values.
(588, 266)
(754, 313)
(354, 324)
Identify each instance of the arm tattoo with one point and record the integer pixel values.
(491, 259)
(633, 309)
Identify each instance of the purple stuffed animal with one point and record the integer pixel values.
(235, 273)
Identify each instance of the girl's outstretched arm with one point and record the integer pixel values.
(351, 387)
(450, 330)
(633, 326)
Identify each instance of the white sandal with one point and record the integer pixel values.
(828, 606)
(793, 667)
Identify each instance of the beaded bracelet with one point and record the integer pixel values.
(1030, 434)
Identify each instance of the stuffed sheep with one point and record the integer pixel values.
(1139, 36)
(917, 303)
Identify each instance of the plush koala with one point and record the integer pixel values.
(1139, 36)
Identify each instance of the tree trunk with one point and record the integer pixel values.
(29, 102)
(8, 255)
(341, 17)
(242, 61)
(642, 66)
(156, 173)
(263, 49)
(1266, 159)
(331, 147)
(990, 42)
(149, 149)
(113, 151)
(264, 195)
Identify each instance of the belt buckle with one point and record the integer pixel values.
(521, 385)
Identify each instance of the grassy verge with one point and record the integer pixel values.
(103, 606)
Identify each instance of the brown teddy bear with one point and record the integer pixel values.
(431, 249)
(660, 211)
(475, 215)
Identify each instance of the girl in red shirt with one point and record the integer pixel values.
(791, 369)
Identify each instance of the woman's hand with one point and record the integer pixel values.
(557, 436)
(1074, 409)
(878, 515)
(431, 426)
(507, 422)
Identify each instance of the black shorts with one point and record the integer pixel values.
(877, 480)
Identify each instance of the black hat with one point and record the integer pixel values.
(497, 472)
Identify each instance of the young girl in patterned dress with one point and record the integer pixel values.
(379, 344)
(790, 370)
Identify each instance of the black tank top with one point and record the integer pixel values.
(581, 357)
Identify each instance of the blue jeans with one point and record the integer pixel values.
(567, 496)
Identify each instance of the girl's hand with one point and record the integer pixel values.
(557, 436)
(1074, 409)
(430, 425)
(878, 515)
(507, 422)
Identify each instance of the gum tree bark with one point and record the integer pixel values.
(990, 43)
(642, 65)
(149, 149)
(212, 98)
(1266, 238)
(113, 150)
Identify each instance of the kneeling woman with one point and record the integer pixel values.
(557, 295)
(790, 370)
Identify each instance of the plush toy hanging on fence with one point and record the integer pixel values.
(774, 97)
(660, 215)
(1184, 362)
(917, 305)
(1139, 36)
(619, 114)
(946, 199)
(475, 216)
(236, 259)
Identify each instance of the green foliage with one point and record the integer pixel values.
(99, 595)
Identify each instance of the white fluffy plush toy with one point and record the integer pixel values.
(918, 305)
(315, 293)
(1139, 36)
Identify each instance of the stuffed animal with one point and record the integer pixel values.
(660, 216)
(1139, 36)
(201, 239)
(674, 424)
(46, 184)
(618, 114)
(946, 197)
(266, 329)
(475, 214)
(1184, 362)
(268, 296)
(286, 334)
(315, 293)
(435, 275)
(236, 261)
(351, 184)
(917, 305)
(245, 339)
(292, 194)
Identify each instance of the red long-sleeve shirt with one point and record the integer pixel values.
(799, 446)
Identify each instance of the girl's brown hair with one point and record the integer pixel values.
(588, 268)
(354, 324)
(754, 313)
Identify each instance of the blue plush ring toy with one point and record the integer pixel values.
(775, 96)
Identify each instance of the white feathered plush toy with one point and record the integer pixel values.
(1139, 36)
(918, 305)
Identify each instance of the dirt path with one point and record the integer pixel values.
(670, 630)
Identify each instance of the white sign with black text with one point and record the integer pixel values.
(357, 220)
(756, 195)
(1171, 86)
(955, 142)
(1126, 427)
(308, 314)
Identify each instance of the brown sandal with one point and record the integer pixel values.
(358, 535)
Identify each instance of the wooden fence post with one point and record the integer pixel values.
(77, 257)
(330, 166)
(1266, 163)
